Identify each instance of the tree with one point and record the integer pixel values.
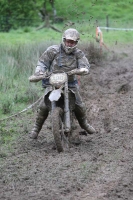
(47, 12)
(18, 13)
(15, 13)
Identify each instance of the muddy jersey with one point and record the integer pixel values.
(55, 58)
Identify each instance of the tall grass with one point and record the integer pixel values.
(17, 63)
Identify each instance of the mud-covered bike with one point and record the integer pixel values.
(60, 101)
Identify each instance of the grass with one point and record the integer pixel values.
(10, 131)
(17, 64)
(32, 36)
(96, 9)
(50, 36)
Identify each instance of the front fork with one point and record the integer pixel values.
(53, 105)
(66, 109)
(67, 121)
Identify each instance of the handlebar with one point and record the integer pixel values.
(36, 78)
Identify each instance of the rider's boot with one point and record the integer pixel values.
(80, 113)
(42, 115)
(74, 136)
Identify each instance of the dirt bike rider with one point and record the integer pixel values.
(69, 58)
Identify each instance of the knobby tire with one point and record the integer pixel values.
(57, 123)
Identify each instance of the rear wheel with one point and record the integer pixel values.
(57, 128)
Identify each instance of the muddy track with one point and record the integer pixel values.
(100, 168)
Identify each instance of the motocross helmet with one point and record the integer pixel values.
(70, 34)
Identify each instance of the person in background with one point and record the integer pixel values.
(99, 37)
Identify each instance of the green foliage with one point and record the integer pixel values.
(18, 13)
(94, 10)
(12, 13)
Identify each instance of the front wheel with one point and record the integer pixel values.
(57, 128)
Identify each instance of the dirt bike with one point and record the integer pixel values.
(61, 103)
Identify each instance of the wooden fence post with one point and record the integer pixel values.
(107, 22)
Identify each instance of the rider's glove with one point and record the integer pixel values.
(39, 73)
(37, 76)
(81, 71)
